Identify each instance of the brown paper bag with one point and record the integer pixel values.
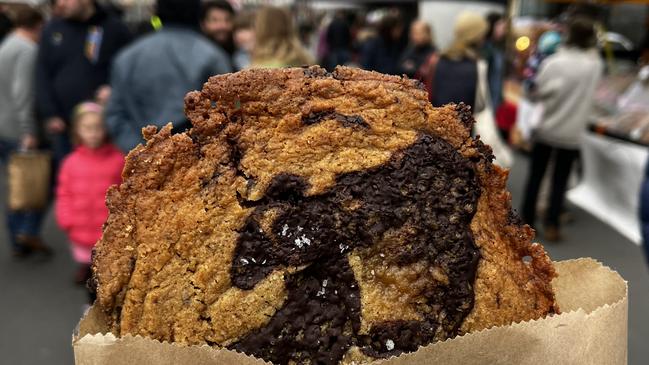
(591, 330)
(29, 180)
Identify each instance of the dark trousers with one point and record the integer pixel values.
(541, 154)
(61, 147)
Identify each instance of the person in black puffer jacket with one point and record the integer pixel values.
(74, 58)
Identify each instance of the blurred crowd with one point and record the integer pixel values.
(77, 81)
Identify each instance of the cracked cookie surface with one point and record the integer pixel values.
(316, 218)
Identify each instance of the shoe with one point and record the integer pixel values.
(567, 217)
(35, 244)
(551, 234)
(21, 252)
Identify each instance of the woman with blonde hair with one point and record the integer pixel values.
(460, 76)
(453, 76)
(276, 42)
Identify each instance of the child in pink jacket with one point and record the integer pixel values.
(85, 175)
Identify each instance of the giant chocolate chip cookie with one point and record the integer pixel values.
(316, 218)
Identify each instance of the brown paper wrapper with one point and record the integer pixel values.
(592, 329)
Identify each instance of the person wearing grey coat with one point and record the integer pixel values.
(150, 78)
(18, 128)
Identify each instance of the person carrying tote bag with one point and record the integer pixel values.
(459, 76)
(28, 172)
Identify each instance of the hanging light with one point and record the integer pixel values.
(522, 43)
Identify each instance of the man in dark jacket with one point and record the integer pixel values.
(381, 52)
(339, 41)
(151, 77)
(73, 63)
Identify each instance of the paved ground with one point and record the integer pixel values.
(39, 305)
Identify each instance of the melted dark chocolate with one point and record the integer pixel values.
(514, 219)
(346, 120)
(318, 320)
(428, 188)
(316, 72)
(465, 114)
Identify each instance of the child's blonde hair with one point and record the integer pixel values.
(86, 107)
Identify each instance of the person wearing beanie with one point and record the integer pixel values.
(151, 77)
(454, 77)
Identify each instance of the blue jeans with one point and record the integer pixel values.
(25, 223)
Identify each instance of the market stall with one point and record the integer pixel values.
(614, 153)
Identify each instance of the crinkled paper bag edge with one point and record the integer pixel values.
(592, 329)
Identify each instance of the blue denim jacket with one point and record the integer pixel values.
(151, 77)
